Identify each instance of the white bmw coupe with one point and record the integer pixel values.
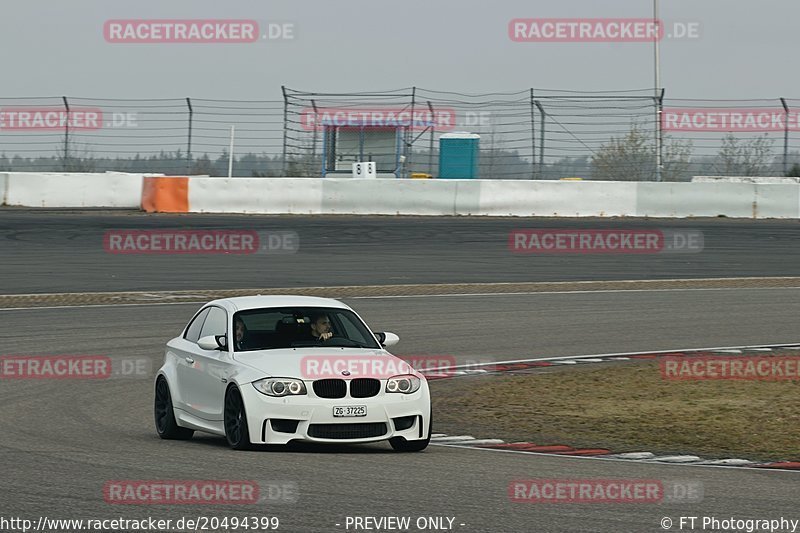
(275, 369)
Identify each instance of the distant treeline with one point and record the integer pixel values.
(493, 164)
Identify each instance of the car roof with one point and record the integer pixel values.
(241, 303)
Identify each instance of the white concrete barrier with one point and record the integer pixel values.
(256, 195)
(739, 199)
(777, 201)
(392, 197)
(712, 199)
(333, 196)
(678, 200)
(744, 179)
(35, 189)
(557, 198)
(493, 198)
(3, 187)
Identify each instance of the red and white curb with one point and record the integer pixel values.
(468, 441)
(530, 365)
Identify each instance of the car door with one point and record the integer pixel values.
(210, 370)
(183, 353)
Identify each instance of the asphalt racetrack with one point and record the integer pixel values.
(52, 251)
(62, 441)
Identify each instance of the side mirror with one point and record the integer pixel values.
(213, 342)
(387, 338)
(222, 341)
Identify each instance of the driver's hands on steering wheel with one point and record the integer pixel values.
(325, 336)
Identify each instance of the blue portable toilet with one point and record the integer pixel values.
(458, 155)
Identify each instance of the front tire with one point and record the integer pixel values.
(399, 444)
(236, 431)
(164, 413)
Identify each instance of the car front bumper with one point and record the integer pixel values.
(316, 423)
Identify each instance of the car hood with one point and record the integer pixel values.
(322, 363)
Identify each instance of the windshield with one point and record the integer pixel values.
(299, 327)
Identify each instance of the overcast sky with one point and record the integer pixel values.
(744, 49)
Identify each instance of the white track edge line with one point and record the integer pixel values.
(619, 354)
(599, 291)
(494, 283)
(83, 306)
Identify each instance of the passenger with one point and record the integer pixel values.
(240, 334)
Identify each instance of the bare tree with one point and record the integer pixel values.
(677, 160)
(632, 158)
(744, 157)
(628, 158)
(490, 154)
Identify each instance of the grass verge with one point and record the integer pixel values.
(625, 407)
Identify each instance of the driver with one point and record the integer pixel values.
(320, 326)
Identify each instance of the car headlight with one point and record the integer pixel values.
(280, 387)
(405, 384)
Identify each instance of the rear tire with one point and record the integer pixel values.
(399, 444)
(164, 413)
(236, 431)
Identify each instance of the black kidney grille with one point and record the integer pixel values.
(330, 388)
(364, 387)
(347, 431)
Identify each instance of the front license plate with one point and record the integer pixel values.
(350, 410)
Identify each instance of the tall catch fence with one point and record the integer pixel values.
(173, 136)
(636, 135)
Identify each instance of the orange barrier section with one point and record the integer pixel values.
(165, 194)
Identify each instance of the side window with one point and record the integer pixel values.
(216, 323)
(193, 332)
(351, 331)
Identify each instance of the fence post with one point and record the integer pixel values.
(285, 125)
(189, 140)
(541, 138)
(659, 102)
(533, 139)
(65, 163)
(410, 135)
(785, 137)
(313, 141)
(433, 132)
